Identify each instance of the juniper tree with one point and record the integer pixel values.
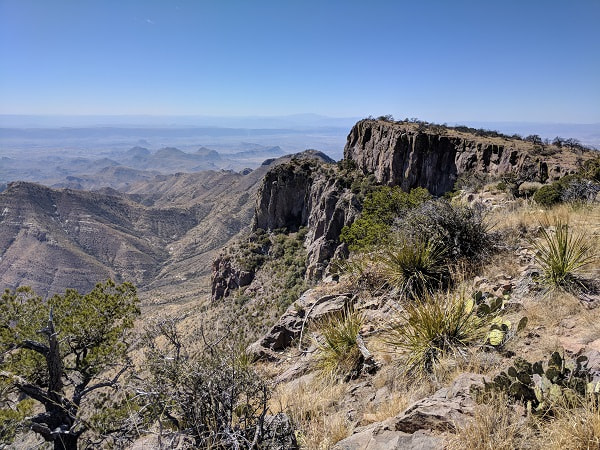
(61, 354)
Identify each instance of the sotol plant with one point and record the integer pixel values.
(562, 254)
(339, 355)
(435, 326)
(416, 267)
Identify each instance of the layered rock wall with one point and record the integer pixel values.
(409, 156)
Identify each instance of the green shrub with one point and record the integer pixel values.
(436, 326)
(339, 356)
(416, 267)
(591, 169)
(381, 208)
(548, 195)
(561, 255)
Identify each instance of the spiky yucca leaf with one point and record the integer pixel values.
(339, 354)
(434, 326)
(416, 267)
(562, 254)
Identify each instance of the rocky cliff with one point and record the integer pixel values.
(306, 192)
(411, 155)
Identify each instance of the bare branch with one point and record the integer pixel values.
(109, 383)
(35, 346)
(32, 390)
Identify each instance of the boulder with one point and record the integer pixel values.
(413, 428)
(443, 410)
(383, 436)
(309, 307)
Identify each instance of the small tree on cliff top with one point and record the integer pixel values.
(60, 352)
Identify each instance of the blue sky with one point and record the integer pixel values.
(444, 61)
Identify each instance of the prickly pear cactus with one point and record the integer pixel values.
(567, 382)
(501, 329)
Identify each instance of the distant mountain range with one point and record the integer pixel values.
(122, 168)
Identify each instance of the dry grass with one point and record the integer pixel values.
(313, 407)
(393, 405)
(473, 361)
(549, 311)
(338, 355)
(495, 426)
(573, 429)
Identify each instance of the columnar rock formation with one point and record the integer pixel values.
(302, 194)
(411, 155)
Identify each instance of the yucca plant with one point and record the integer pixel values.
(416, 267)
(562, 254)
(435, 326)
(339, 355)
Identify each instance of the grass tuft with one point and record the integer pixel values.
(339, 355)
(416, 267)
(494, 425)
(575, 428)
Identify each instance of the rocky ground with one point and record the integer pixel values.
(386, 409)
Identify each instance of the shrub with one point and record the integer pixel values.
(548, 195)
(461, 230)
(416, 267)
(591, 169)
(562, 255)
(381, 207)
(214, 397)
(339, 355)
(580, 191)
(435, 326)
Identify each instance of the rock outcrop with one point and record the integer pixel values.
(302, 193)
(411, 155)
(309, 307)
(226, 277)
(413, 429)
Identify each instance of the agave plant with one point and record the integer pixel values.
(562, 254)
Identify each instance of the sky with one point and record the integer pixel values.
(441, 61)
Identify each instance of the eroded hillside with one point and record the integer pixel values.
(161, 235)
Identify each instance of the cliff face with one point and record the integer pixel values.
(403, 154)
(302, 194)
(307, 193)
